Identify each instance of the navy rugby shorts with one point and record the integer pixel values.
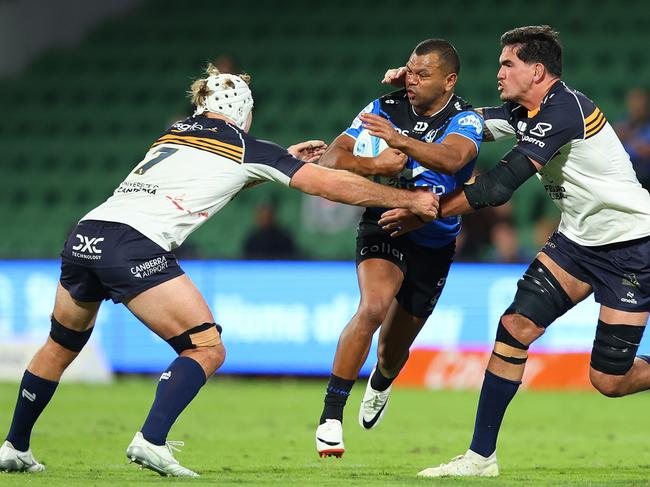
(619, 273)
(425, 269)
(102, 260)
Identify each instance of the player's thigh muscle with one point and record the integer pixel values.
(171, 308)
(615, 316)
(378, 278)
(73, 314)
(576, 289)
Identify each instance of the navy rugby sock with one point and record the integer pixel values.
(496, 394)
(338, 390)
(177, 386)
(378, 382)
(34, 394)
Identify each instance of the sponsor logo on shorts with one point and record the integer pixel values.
(383, 248)
(630, 298)
(150, 267)
(87, 248)
(631, 280)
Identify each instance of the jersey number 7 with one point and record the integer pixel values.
(160, 155)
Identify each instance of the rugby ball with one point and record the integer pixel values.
(368, 145)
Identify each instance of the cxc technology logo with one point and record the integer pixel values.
(87, 248)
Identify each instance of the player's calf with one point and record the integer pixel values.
(183, 379)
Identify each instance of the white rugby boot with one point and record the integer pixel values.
(470, 464)
(12, 460)
(329, 439)
(373, 405)
(158, 458)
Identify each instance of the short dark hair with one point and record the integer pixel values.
(539, 44)
(444, 49)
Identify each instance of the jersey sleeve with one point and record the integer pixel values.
(497, 121)
(468, 124)
(355, 128)
(553, 127)
(268, 161)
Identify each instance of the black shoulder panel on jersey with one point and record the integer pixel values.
(270, 154)
(496, 186)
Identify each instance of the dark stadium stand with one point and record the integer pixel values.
(78, 119)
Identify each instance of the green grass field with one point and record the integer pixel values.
(260, 432)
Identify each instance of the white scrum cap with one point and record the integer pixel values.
(233, 102)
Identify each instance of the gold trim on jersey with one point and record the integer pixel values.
(532, 113)
(217, 147)
(594, 123)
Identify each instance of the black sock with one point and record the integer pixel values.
(378, 382)
(34, 394)
(337, 394)
(496, 394)
(177, 386)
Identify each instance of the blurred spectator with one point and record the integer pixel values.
(634, 132)
(475, 237)
(269, 240)
(505, 243)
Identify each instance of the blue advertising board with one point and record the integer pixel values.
(285, 317)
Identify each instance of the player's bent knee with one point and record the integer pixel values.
(608, 385)
(69, 339)
(372, 313)
(615, 347)
(204, 336)
(539, 297)
(507, 347)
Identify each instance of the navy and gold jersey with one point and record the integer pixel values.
(189, 173)
(456, 117)
(586, 172)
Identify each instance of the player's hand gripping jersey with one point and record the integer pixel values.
(189, 174)
(586, 172)
(456, 117)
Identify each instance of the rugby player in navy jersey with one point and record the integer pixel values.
(400, 279)
(602, 244)
(123, 250)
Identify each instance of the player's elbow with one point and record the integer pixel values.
(311, 179)
(479, 195)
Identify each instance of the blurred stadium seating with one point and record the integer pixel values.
(79, 118)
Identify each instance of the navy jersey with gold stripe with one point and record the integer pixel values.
(586, 171)
(189, 173)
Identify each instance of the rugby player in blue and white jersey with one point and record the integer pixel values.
(602, 245)
(400, 279)
(123, 250)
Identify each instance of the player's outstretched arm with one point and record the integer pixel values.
(345, 187)
(493, 188)
(448, 157)
(340, 155)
